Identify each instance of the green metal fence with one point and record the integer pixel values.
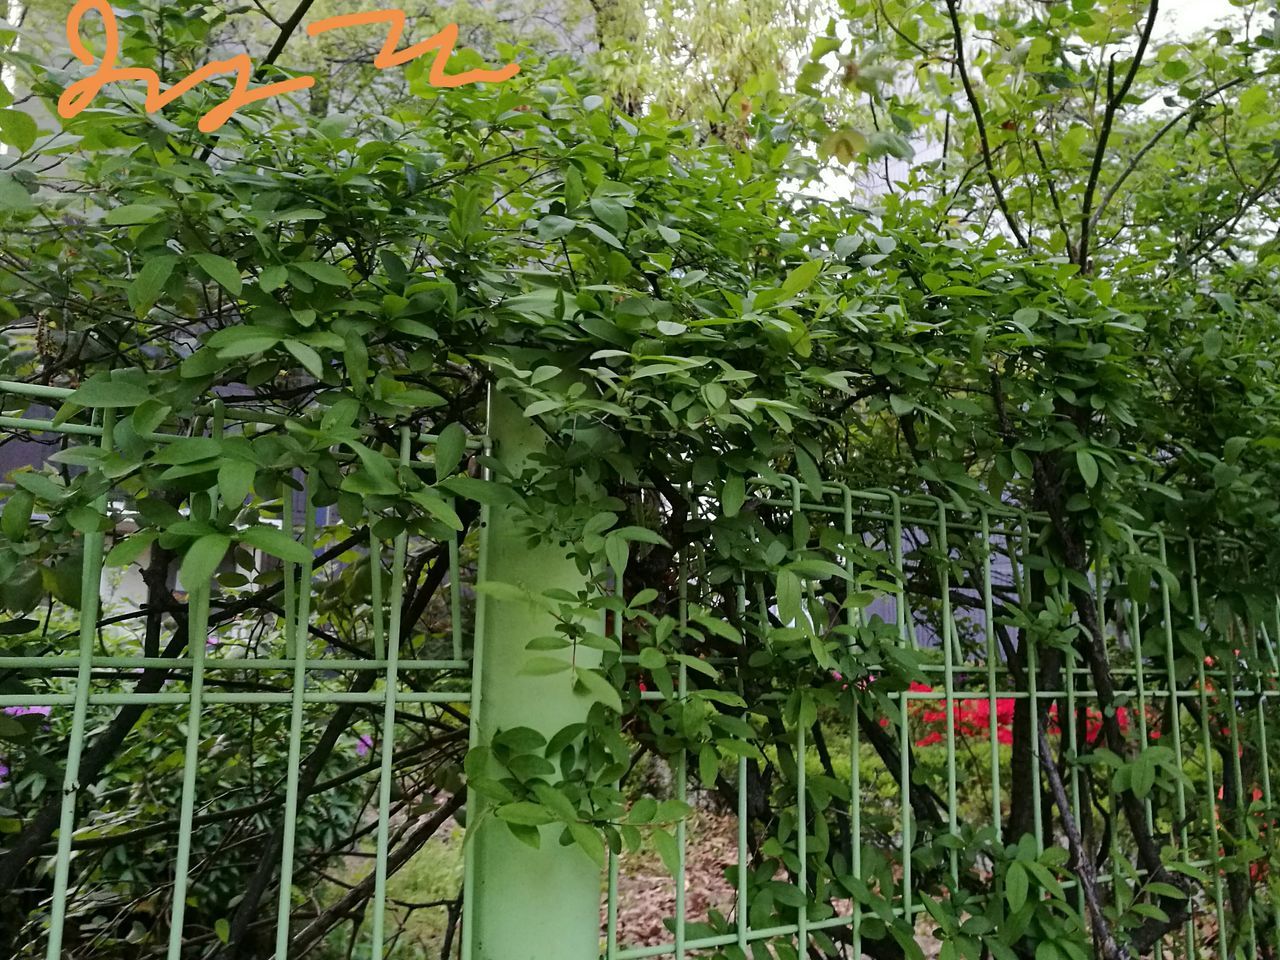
(956, 585)
(880, 801)
(270, 656)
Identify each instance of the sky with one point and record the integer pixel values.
(1187, 16)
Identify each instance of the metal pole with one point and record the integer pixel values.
(524, 903)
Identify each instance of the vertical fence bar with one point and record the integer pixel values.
(989, 631)
(1175, 712)
(682, 772)
(1268, 791)
(904, 735)
(1211, 810)
(474, 719)
(611, 903)
(1027, 637)
(1068, 730)
(854, 619)
(949, 642)
(90, 582)
(392, 681)
(301, 618)
(197, 643)
(740, 891)
(1237, 776)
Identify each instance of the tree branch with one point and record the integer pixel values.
(1114, 99)
(1146, 148)
(976, 107)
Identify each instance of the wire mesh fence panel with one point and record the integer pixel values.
(236, 696)
(939, 741)
(240, 706)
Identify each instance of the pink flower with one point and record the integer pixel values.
(364, 743)
(27, 711)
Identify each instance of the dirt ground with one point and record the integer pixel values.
(647, 895)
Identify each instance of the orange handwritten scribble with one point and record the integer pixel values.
(80, 94)
(77, 97)
(443, 43)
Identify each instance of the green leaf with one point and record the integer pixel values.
(222, 271)
(544, 666)
(617, 552)
(1143, 777)
(588, 838)
(554, 227)
(1016, 884)
(325, 273)
(273, 278)
(111, 390)
(641, 535)
(438, 507)
(789, 598)
(1212, 343)
(132, 214)
(525, 813)
(481, 491)
(651, 658)
(449, 449)
(801, 278)
(1088, 467)
(1253, 99)
(530, 836)
(609, 212)
(708, 766)
(13, 195)
(130, 549)
(235, 480)
(733, 495)
(667, 849)
(602, 233)
(248, 347)
(16, 516)
(556, 802)
(18, 129)
(275, 542)
(150, 282)
(306, 356)
(599, 687)
(1234, 447)
(86, 519)
(202, 559)
(671, 811)
(643, 810)
(222, 930)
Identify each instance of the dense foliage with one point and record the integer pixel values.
(1068, 311)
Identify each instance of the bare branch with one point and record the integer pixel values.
(976, 107)
(1114, 99)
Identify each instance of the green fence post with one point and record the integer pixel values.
(522, 903)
